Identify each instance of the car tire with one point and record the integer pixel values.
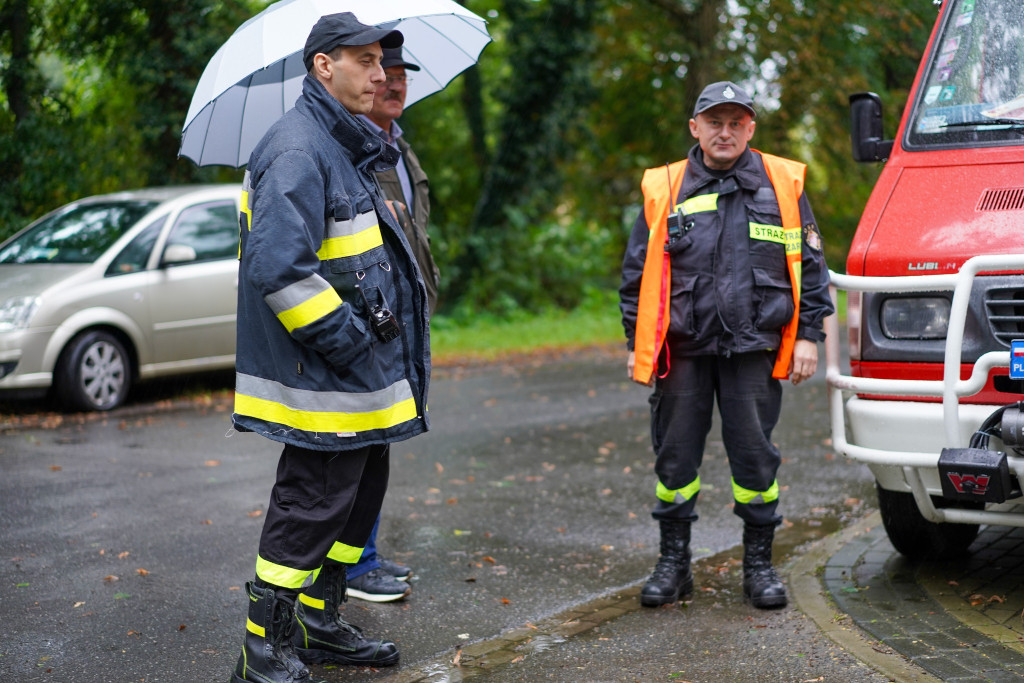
(914, 536)
(94, 373)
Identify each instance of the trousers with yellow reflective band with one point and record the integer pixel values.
(323, 507)
(682, 406)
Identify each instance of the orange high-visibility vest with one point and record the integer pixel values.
(787, 177)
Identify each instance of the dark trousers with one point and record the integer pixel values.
(749, 402)
(320, 498)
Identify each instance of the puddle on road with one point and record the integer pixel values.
(719, 570)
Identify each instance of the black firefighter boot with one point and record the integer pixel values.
(672, 578)
(321, 635)
(761, 584)
(267, 654)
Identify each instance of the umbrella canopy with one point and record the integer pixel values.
(256, 76)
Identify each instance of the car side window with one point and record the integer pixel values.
(211, 229)
(135, 255)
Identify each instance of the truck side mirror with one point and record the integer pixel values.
(866, 128)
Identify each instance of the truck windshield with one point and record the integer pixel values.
(972, 93)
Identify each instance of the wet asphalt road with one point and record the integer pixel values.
(127, 537)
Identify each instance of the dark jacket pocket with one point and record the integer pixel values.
(683, 320)
(773, 298)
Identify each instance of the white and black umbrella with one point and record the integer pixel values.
(256, 76)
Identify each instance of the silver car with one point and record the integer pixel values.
(120, 287)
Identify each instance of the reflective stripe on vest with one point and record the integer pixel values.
(787, 177)
(700, 204)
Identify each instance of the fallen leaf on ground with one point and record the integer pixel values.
(255, 513)
(110, 578)
(212, 463)
(142, 572)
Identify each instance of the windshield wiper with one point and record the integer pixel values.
(1013, 123)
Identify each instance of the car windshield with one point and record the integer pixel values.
(77, 235)
(973, 91)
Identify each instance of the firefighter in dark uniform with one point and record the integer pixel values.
(724, 291)
(333, 352)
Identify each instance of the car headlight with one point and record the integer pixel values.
(16, 312)
(915, 318)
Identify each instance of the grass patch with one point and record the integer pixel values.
(596, 323)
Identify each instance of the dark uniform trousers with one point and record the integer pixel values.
(323, 497)
(749, 401)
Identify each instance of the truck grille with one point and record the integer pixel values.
(1005, 309)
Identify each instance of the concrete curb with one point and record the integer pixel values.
(809, 595)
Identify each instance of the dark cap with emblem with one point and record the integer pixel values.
(332, 30)
(723, 92)
(393, 57)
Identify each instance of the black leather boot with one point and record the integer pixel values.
(762, 586)
(321, 635)
(672, 577)
(267, 655)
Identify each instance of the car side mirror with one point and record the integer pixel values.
(178, 253)
(866, 128)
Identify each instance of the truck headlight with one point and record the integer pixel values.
(915, 318)
(16, 312)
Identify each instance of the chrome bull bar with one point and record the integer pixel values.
(951, 388)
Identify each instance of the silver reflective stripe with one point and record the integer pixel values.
(297, 293)
(351, 227)
(247, 189)
(306, 400)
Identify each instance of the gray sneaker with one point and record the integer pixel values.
(399, 571)
(377, 585)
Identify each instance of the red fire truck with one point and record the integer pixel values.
(935, 291)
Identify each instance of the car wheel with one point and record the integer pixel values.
(94, 372)
(917, 538)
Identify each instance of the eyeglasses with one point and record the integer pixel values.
(401, 80)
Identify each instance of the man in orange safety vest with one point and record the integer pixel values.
(724, 290)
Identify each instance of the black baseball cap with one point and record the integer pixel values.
(723, 92)
(332, 30)
(393, 57)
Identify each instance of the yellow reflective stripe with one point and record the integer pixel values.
(312, 602)
(253, 627)
(246, 209)
(793, 241)
(312, 421)
(743, 495)
(310, 310)
(767, 233)
(351, 245)
(345, 554)
(700, 203)
(678, 495)
(279, 575)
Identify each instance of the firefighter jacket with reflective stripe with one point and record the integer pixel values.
(744, 271)
(320, 257)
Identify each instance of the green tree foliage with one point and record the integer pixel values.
(95, 94)
(534, 155)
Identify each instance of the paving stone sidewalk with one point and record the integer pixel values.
(959, 621)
